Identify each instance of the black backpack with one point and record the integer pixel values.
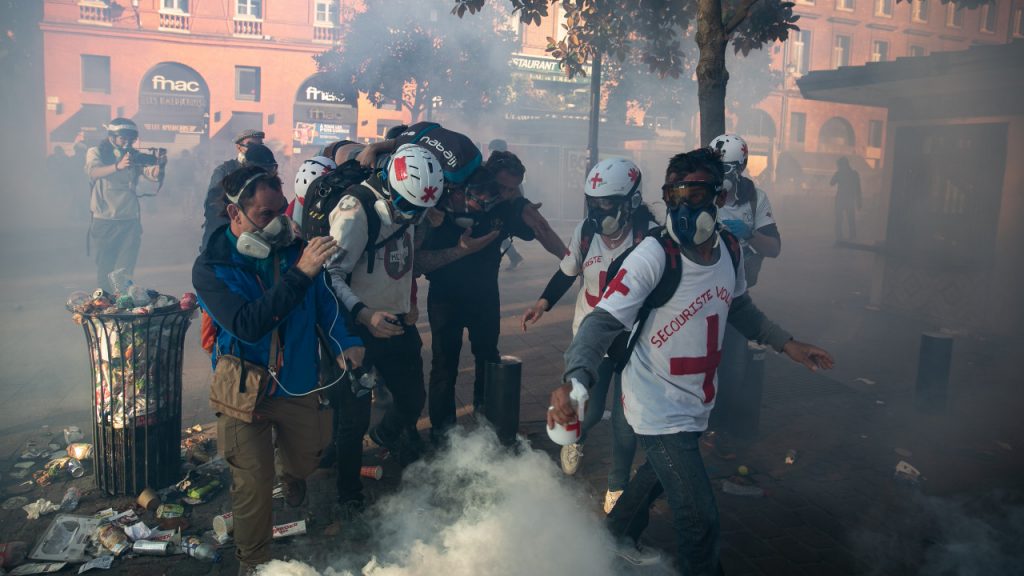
(622, 347)
(326, 192)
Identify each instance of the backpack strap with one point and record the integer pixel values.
(367, 198)
(732, 245)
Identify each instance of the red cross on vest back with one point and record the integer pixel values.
(616, 285)
(705, 364)
(595, 181)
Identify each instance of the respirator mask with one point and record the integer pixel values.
(691, 211)
(397, 210)
(731, 180)
(259, 243)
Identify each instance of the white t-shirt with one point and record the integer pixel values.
(670, 382)
(593, 265)
(389, 287)
(745, 212)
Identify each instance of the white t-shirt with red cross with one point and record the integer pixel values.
(594, 267)
(671, 380)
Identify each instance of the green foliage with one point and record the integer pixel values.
(398, 42)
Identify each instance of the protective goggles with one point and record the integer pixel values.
(693, 193)
(404, 207)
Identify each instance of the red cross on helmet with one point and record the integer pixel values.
(732, 149)
(414, 174)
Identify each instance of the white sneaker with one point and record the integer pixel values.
(636, 554)
(610, 498)
(571, 455)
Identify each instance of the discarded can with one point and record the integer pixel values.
(151, 548)
(80, 450)
(790, 456)
(375, 472)
(224, 524)
(148, 499)
(75, 468)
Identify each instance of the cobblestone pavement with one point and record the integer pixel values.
(836, 510)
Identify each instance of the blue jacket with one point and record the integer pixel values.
(245, 314)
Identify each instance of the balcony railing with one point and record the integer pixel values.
(325, 34)
(95, 12)
(175, 22)
(248, 28)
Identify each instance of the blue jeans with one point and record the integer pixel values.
(623, 438)
(673, 466)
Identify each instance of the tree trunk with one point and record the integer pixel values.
(595, 110)
(712, 76)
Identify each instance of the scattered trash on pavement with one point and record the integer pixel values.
(865, 381)
(102, 562)
(66, 539)
(39, 507)
(148, 499)
(904, 452)
(791, 456)
(36, 568)
(373, 472)
(905, 472)
(290, 529)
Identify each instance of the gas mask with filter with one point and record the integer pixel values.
(260, 243)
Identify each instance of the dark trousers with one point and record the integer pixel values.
(450, 314)
(673, 467)
(399, 367)
(623, 439)
(116, 245)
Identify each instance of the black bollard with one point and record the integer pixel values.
(502, 383)
(747, 416)
(933, 372)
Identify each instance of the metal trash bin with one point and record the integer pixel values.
(136, 363)
(502, 384)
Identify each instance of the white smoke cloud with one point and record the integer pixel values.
(479, 509)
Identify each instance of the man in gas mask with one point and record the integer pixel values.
(461, 259)
(268, 296)
(744, 210)
(375, 224)
(668, 382)
(214, 206)
(114, 168)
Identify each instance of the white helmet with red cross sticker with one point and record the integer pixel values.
(414, 178)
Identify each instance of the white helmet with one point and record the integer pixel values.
(414, 179)
(311, 170)
(732, 149)
(613, 178)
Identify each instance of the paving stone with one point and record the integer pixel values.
(812, 537)
(775, 566)
(748, 545)
(793, 550)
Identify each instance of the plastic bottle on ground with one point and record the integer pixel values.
(70, 500)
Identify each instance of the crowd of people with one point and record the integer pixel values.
(310, 306)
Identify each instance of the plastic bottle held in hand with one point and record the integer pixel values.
(12, 553)
(200, 550)
(569, 433)
(70, 500)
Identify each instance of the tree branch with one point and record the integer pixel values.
(739, 16)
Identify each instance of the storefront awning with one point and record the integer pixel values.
(239, 121)
(90, 119)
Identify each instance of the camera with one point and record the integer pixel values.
(147, 156)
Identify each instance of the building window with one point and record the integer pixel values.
(916, 51)
(846, 5)
(95, 73)
(919, 11)
(879, 51)
(989, 13)
(797, 127)
(954, 16)
(326, 13)
(1018, 22)
(174, 6)
(800, 52)
(875, 133)
(841, 51)
(247, 83)
(249, 9)
(883, 8)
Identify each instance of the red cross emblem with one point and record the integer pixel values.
(593, 299)
(429, 193)
(616, 285)
(595, 181)
(706, 364)
(633, 174)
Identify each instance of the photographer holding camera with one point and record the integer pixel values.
(114, 168)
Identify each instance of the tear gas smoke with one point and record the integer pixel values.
(479, 509)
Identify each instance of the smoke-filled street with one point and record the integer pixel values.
(463, 287)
